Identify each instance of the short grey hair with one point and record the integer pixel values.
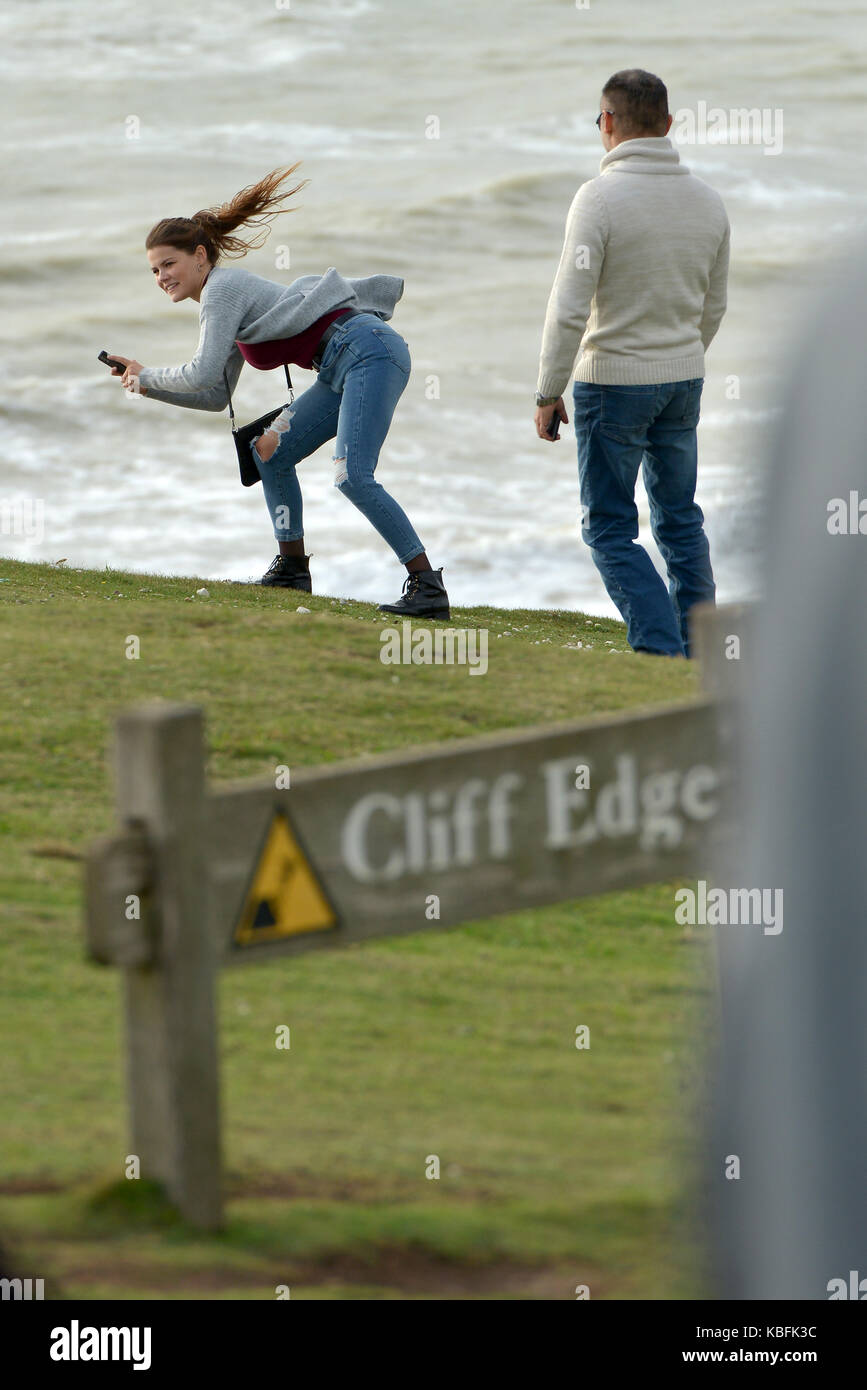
(640, 101)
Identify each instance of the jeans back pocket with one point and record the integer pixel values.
(692, 403)
(626, 411)
(393, 345)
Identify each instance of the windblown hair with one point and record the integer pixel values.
(212, 228)
(639, 101)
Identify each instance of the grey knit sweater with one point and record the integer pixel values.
(236, 304)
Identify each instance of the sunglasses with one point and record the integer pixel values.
(601, 114)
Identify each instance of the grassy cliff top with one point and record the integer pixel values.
(559, 1167)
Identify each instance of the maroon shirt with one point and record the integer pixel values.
(298, 350)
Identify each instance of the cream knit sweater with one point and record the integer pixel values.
(641, 285)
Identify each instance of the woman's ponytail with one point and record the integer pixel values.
(212, 228)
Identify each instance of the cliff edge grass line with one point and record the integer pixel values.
(554, 1173)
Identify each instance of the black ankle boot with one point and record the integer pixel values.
(424, 596)
(289, 572)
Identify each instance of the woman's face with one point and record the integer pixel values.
(178, 273)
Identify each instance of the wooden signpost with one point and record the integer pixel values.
(197, 879)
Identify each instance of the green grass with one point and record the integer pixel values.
(558, 1166)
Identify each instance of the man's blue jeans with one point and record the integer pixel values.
(362, 375)
(619, 428)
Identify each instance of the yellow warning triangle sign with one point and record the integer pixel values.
(285, 897)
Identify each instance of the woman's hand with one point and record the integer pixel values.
(129, 375)
(266, 444)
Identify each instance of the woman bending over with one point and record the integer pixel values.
(332, 325)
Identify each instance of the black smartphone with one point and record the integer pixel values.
(111, 361)
(554, 425)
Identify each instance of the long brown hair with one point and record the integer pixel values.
(212, 228)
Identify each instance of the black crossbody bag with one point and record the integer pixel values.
(247, 433)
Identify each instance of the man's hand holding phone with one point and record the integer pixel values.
(549, 419)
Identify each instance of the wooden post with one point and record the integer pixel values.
(723, 638)
(170, 1001)
(331, 868)
(728, 678)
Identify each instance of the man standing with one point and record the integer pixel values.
(641, 290)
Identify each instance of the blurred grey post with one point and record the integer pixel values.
(791, 1099)
(725, 640)
(170, 999)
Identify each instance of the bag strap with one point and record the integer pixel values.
(229, 393)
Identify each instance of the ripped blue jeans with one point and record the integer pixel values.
(363, 374)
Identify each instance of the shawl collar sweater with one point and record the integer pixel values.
(641, 286)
